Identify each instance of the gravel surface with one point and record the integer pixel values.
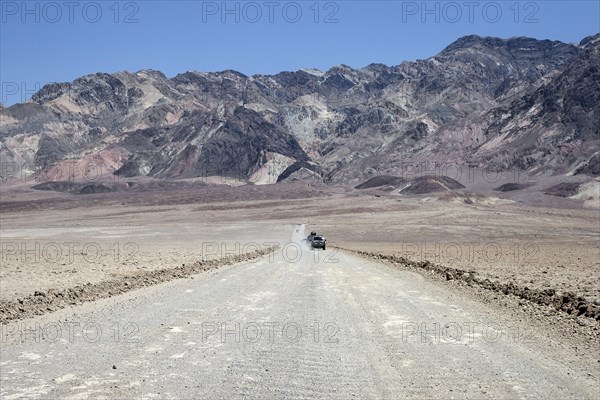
(314, 324)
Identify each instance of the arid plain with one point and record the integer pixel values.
(56, 240)
(530, 266)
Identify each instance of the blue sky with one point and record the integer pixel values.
(56, 41)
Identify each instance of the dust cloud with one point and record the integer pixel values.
(299, 236)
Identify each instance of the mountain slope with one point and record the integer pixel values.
(502, 103)
(551, 129)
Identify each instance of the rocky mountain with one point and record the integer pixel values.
(551, 128)
(500, 103)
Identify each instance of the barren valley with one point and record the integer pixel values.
(104, 238)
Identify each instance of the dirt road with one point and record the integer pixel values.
(308, 324)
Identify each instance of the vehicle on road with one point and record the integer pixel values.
(318, 242)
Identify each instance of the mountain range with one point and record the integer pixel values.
(497, 104)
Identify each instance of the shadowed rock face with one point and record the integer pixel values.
(515, 103)
(555, 126)
(564, 189)
(513, 186)
(419, 185)
(379, 181)
(431, 184)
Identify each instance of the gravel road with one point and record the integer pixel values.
(309, 324)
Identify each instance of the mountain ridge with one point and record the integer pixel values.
(343, 124)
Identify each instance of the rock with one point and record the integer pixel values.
(222, 111)
(585, 322)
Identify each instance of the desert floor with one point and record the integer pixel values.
(52, 240)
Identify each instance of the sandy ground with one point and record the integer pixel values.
(78, 239)
(77, 247)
